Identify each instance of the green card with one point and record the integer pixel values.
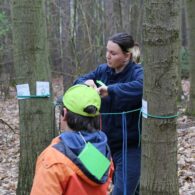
(95, 162)
(100, 83)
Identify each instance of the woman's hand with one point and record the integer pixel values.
(103, 91)
(91, 83)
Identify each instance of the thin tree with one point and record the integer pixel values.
(6, 64)
(159, 136)
(84, 37)
(31, 65)
(136, 17)
(191, 45)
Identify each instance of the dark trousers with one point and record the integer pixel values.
(133, 172)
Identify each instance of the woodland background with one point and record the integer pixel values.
(77, 34)
(77, 31)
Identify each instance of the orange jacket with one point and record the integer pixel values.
(56, 174)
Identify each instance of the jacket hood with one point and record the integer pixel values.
(72, 143)
(76, 140)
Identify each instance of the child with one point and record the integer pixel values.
(72, 163)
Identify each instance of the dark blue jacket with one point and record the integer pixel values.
(125, 93)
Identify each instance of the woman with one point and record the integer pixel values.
(120, 93)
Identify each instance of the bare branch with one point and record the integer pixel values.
(5, 123)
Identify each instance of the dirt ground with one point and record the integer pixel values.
(9, 143)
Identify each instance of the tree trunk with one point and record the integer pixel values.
(136, 19)
(183, 24)
(109, 18)
(191, 35)
(159, 136)
(124, 15)
(113, 17)
(85, 39)
(31, 65)
(6, 63)
(53, 22)
(67, 60)
(84, 35)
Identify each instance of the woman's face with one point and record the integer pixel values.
(116, 58)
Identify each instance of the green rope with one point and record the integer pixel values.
(161, 117)
(139, 131)
(32, 96)
(117, 113)
(139, 120)
(140, 109)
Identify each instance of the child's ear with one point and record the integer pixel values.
(63, 113)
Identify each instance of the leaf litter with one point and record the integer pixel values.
(9, 145)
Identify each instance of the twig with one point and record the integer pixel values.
(5, 123)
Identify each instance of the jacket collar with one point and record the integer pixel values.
(127, 67)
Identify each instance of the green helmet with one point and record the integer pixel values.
(78, 97)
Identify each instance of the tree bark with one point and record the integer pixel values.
(161, 59)
(183, 24)
(191, 35)
(6, 63)
(136, 19)
(31, 65)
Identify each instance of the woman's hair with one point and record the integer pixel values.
(136, 54)
(77, 122)
(124, 40)
(126, 43)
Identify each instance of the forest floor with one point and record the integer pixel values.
(9, 143)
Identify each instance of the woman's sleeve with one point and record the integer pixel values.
(130, 92)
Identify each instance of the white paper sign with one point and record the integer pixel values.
(42, 88)
(144, 108)
(23, 90)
